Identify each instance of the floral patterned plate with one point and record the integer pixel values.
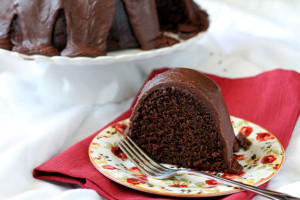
(261, 162)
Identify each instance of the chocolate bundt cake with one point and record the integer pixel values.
(91, 28)
(181, 118)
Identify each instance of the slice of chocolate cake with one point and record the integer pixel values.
(181, 118)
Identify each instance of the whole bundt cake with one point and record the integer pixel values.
(93, 27)
(181, 118)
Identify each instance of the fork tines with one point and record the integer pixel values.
(135, 154)
(156, 170)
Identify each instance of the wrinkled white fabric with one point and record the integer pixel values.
(244, 39)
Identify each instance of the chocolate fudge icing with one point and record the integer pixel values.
(87, 28)
(181, 118)
(243, 141)
(121, 35)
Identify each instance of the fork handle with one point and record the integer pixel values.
(264, 192)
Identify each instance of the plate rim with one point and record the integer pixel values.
(163, 193)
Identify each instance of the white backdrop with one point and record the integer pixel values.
(244, 39)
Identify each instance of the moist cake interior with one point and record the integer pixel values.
(173, 122)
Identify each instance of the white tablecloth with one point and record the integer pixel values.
(244, 39)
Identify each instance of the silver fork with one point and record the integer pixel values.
(155, 170)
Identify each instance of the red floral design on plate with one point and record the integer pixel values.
(179, 185)
(118, 152)
(255, 161)
(268, 159)
(140, 176)
(246, 130)
(209, 187)
(110, 167)
(209, 172)
(120, 127)
(97, 158)
(233, 176)
(134, 169)
(261, 180)
(136, 181)
(264, 137)
(240, 157)
(211, 182)
(276, 166)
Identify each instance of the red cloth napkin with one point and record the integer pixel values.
(270, 99)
